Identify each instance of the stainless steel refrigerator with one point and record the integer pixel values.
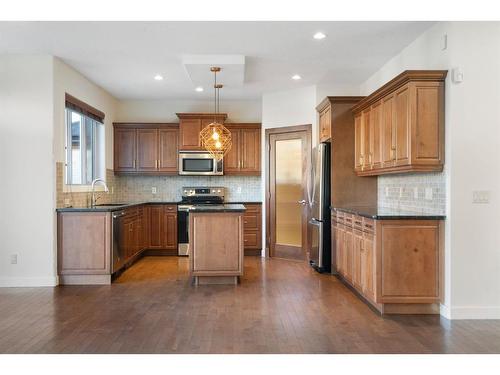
(319, 204)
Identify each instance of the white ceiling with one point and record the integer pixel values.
(123, 57)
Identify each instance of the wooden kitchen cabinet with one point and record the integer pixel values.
(252, 229)
(125, 150)
(400, 127)
(396, 265)
(170, 227)
(149, 149)
(190, 127)
(163, 227)
(168, 148)
(325, 124)
(244, 156)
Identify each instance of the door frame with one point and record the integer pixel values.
(307, 128)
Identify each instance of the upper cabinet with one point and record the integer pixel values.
(244, 156)
(145, 148)
(400, 127)
(190, 127)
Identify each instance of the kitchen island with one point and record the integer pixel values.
(216, 243)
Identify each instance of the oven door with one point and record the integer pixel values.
(199, 164)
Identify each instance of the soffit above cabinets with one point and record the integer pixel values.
(232, 73)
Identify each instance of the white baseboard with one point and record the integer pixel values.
(475, 312)
(28, 282)
(444, 311)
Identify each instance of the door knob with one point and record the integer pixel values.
(303, 201)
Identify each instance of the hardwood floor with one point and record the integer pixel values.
(279, 307)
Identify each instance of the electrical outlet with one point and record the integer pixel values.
(67, 201)
(13, 258)
(400, 192)
(480, 196)
(112, 189)
(239, 189)
(153, 190)
(386, 191)
(415, 193)
(428, 194)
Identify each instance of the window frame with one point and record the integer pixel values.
(86, 121)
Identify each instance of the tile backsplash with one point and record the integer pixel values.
(168, 188)
(418, 192)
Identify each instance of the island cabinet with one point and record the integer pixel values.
(244, 156)
(400, 127)
(149, 149)
(395, 265)
(190, 126)
(163, 229)
(216, 246)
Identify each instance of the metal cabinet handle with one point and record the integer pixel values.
(302, 202)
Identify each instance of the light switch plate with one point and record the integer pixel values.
(66, 201)
(481, 196)
(444, 42)
(400, 192)
(415, 193)
(153, 190)
(386, 191)
(13, 259)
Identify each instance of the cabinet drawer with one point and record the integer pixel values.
(251, 240)
(250, 222)
(252, 208)
(170, 208)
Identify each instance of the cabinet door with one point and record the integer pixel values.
(402, 126)
(367, 267)
(189, 134)
(250, 151)
(168, 147)
(339, 247)
(232, 160)
(155, 227)
(358, 143)
(349, 255)
(169, 230)
(124, 150)
(365, 145)
(147, 150)
(375, 135)
(356, 259)
(388, 132)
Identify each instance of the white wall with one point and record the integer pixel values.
(27, 197)
(165, 110)
(68, 80)
(472, 264)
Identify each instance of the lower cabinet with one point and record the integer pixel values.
(163, 227)
(396, 265)
(252, 229)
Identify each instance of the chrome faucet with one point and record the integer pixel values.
(94, 200)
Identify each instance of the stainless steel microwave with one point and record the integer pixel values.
(199, 163)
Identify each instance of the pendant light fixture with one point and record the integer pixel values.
(215, 137)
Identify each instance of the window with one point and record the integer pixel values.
(84, 144)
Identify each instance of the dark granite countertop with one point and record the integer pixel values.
(218, 208)
(379, 213)
(109, 208)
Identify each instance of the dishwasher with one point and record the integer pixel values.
(118, 245)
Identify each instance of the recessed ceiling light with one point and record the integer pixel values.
(319, 35)
(158, 77)
(199, 89)
(296, 77)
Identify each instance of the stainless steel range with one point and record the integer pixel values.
(194, 196)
